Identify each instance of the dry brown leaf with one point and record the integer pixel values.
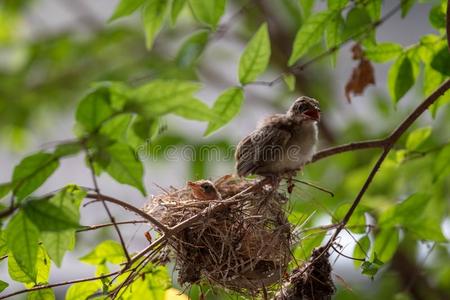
(362, 76)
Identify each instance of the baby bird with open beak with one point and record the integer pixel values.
(282, 144)
(204, 190)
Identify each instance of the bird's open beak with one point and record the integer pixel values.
(313, 114)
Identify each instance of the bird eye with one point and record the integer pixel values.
(303, 107)
(207, 187)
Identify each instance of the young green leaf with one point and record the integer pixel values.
(125, 167)
(175, 10)
(32, 172)
(22, 239)
(400, 77)
(373, 8)
(57, 243)
(208, 11)
(160, 97)
(107, 251)
(227, 106)
(337, 4)
(441, 61)
(43, 294)
(308, 35)
(5, 188)
(361, 250)
(256, 56)
(117, 127)
(357, 20)
(417, 137)
(94, 109)
(153, 14)
(441, 166)
(386, 243)
(307, 7)
(67, 149)
(289, 80)
(192, 49)
(125, 8)
(196, 110)
(426, 229)
(309, 242)
(3, 285)
(383, 52)
(49, 217)
(334, 34)
(437, 17)
(3, 245)
(406, 6)
(83, 290)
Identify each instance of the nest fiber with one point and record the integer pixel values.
(243, 246)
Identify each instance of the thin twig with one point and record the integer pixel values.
(105, 206)
(95, 227)
(47, 286)
(299, 68)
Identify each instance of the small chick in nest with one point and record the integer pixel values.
(204, 190)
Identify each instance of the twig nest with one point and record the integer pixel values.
(310, 281)
(244, 245)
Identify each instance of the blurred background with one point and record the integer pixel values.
(51, 50)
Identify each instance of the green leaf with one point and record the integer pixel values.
(22, 239)
(417, 137)
(400, 77)
(255, 58)
(289, 80)
(361, 250)
(3, 285)
(427, 229)
(42, 267)
(386, 243)
(125, 167)
(208, 11)
(308, 35)
(94, 109)
(175, 9)
(437, 17)
(371, 268)
(409, 210)
(3, 244)
(383, 52)
(107, 251)
(5, 188)
(59, 213)
(374, 9)
(153, 14)
(44, 294)
(333, 34)
(67, 149)
(337, 4)
(32, 172)
(83, 290)
(227, 106)
(307, 7)
(57, 243)
(152, 285)
(116, 128)
(357, 20)
(441, 166)
(160, 97)
(125, 8)
(406, 6)
(309, 241)
(196, 110)
(441, 61)
(192, 48)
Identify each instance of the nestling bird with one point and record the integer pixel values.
(204, 190)
(282, 144)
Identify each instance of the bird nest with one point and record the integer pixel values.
(242, 241)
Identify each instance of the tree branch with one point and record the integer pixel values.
(95, 227)
(47, 286)
(387, 146)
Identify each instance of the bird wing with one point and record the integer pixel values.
(262, 145)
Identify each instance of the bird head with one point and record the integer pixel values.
(305, 108)
(204, 190)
